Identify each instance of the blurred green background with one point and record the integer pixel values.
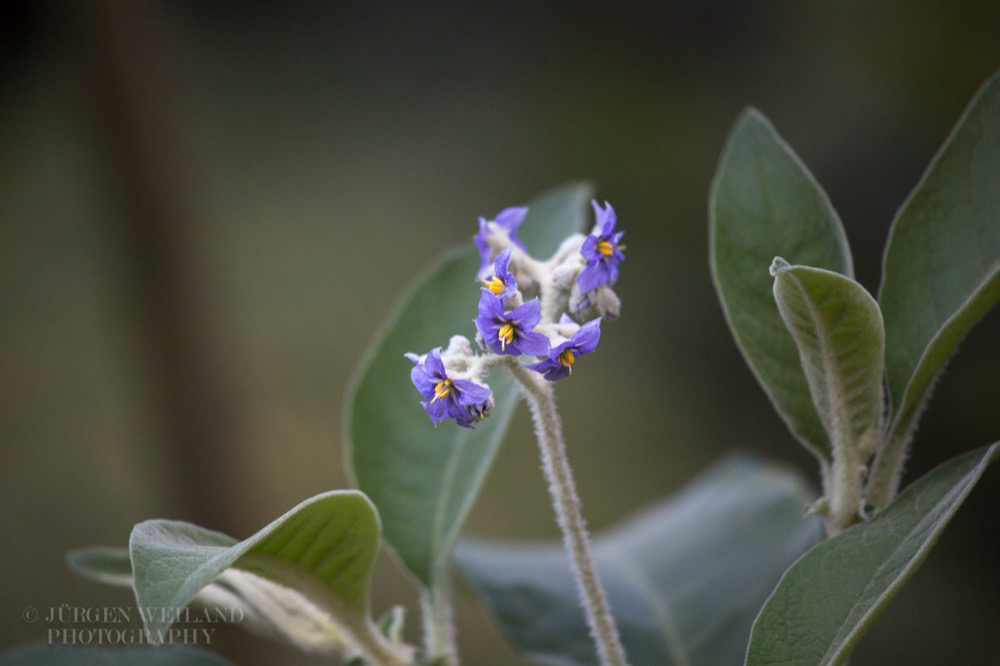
(206, 209)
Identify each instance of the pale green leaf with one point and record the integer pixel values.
(424, 479)
(323, 550)
(942, 263)
(832, 595)
(685, 578)
(103, 564)
(255, 603)
(765, 203)
(837, 328)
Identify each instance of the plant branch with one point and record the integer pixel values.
(548, 429)
(439, 629)
(887, 468)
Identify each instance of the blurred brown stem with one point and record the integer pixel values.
(135, 93)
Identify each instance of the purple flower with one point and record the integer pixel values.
(502, 283)
(510, 332)
(559, 364)
(508, 219)
(445, 398)
(603, 252)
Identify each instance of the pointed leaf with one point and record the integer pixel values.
(837, 328)
(323, 549)
(942, 263)
(424, 479)
(685, 578)
(764, 202)
(80, 655)
(831, 596)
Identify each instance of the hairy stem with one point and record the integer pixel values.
(439, 628)
(548, 429)
(887, 468)
(845, 490)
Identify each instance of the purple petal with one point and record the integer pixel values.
(560, 348)
(526, 316)
(490, 317)
(551, 369)
(488, 329)
(594, 275)
(437, 410)
(484, 248)
(532, 343)
(471, 393)
(424, 383)
(511, 218)
(433, 364)
(491, 307)
(613, 269)
(606, 218)
(589, 249)
(585, 340)
(455, 410)
(502, 262)
(544, 365)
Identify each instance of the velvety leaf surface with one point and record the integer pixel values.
(78, 655)
(323, 550)
(257, 604)
(424, 479)
(103, 564)
(685, 578)
(832, 595)
(942, 262)
(837, 328)
(765, 203)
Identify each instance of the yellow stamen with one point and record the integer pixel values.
(442, 390)
(506, 335)
(567, 359)
(494, 284)
(607, 249)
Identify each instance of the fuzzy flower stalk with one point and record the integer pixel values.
(536, 319)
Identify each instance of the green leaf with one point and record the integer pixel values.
(111, 566)
(832, 595)
(257, 604)
(764, 203)
(684, 579)
(79, 655)
(424, 479)
(942, 262)
(837, 328)
(323, 550)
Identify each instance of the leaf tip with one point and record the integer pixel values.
(777, 266)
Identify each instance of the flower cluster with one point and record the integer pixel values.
(572, 286)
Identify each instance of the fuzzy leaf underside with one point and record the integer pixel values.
(323, 550)
(257, 604)
(838, 330)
